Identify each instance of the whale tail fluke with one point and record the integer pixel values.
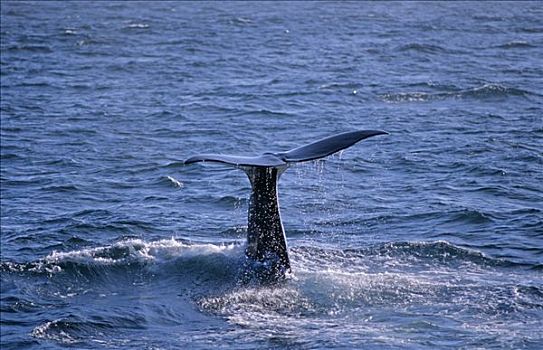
(266, 241)
(312, 151)
(327, 146)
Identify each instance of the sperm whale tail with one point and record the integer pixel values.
(266, 242)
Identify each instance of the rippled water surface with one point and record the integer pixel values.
(430, 237)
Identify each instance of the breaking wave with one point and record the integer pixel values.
(339, 289)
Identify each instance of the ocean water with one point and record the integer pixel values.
(428, 238)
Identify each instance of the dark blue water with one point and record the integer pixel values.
(430, 237)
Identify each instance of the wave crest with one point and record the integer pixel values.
(484, 92)
(132, 253)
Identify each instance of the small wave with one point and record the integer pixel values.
(137, 26)
(396, 255)
(70, 31)
(331, 86)
(60, 188)
(488, 18)
(531, 29)
(440, 251)
(409, 97)
(516, 44)
(34, 84)
(425, 48)
(75, 330)
(240, 21)
(267, 112)
(13, 304)
(31, 48)
(493, 90)
(6, 156)
(65, 161)
(174, 165)
(484, 92)
(471, 217)
(176, 183)
(53, 330)
(89, 41)
(75, 240)
(434, 86)
(101, 213)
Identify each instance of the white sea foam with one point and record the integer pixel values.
(139, 251)
(138, 25)
(175, 182)
(47, 331)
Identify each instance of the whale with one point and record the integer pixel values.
(266, 245)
